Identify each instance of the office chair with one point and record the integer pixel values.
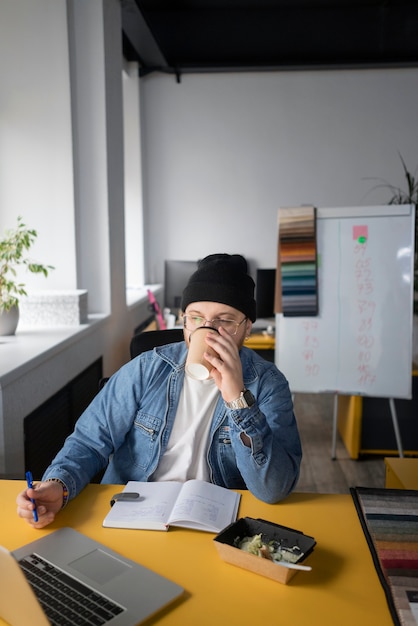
(150, 339)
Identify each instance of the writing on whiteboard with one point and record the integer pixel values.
(366, 305)
(310, 347)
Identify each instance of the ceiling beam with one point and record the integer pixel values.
(139, 36)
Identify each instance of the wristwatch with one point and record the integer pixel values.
(245, 400)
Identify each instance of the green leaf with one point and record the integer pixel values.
(12, 254)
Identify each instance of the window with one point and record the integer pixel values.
(134, 257)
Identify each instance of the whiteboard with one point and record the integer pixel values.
(361, 341)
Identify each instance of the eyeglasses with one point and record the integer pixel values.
(191, 322)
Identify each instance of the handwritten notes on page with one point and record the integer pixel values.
(194, 504)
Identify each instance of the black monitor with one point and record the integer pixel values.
(265, 292)
(176, 276)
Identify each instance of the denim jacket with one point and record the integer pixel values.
(127, 426)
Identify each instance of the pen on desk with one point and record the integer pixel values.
(29, 481)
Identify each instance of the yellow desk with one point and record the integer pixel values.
(260, 341)
(343, 587)
(401, 473)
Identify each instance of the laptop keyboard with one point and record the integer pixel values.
(66, 601)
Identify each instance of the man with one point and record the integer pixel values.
(152, 421)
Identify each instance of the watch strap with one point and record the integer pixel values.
(244, 401)
(65, 492)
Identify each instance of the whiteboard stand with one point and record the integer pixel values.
(334, 428)
(396, 426)
(394, 421)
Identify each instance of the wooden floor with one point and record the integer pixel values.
(319, 473)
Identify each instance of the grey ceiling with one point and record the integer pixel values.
(207, 35)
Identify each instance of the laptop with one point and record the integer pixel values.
(86, 577)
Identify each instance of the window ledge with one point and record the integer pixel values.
(138, 295)
(30, 347)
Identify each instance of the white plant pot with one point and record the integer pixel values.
(9, 321)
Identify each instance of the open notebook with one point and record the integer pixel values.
(85, 576)
(158, 505)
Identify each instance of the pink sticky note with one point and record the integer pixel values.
(360, 233)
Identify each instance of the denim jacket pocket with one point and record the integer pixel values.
(226, 461)
(143, 439)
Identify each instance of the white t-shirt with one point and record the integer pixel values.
(186, 453)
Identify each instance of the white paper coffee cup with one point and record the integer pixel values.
(196, 365)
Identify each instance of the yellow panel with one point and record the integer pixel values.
(401, 473)
(260, 341)
(349, 423)
(350, 409)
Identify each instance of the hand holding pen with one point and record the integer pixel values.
(48, 502)
(29, 482)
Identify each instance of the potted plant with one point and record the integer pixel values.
(13, 247)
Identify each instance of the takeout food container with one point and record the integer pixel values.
(226, 542)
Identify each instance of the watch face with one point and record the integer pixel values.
(245, 400)
(248, 397)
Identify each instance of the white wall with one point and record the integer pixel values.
(222, 152)
(36, 168)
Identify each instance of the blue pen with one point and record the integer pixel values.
(30, 486)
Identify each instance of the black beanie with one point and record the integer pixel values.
(222, 278)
